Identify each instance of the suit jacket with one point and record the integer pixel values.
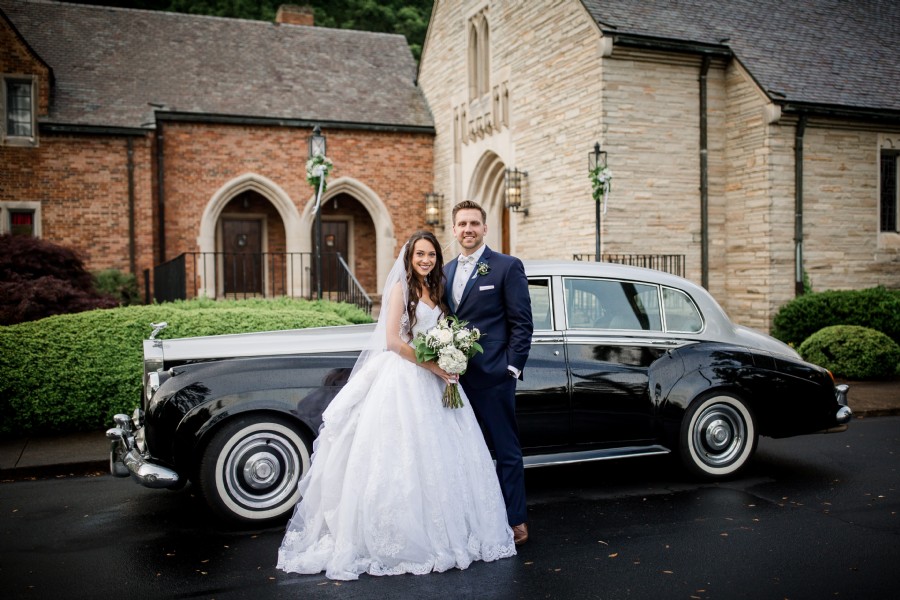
(498, 304)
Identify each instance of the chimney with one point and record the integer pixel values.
(291, 14)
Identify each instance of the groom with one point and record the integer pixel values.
(490, 291)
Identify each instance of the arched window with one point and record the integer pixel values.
(484, 59)
(473, 62)
(479, 62)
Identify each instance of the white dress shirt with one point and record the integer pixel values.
(464, 271)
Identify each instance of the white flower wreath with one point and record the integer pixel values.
(313, 169)
(601, 180)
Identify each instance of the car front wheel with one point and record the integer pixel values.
(251, 468)
(718, 436)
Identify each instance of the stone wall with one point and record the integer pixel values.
(569, 88)
(843, 246)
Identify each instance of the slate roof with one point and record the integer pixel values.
(109, 63)
(842, 53)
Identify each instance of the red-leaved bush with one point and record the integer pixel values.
(39, 279)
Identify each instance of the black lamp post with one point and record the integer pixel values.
(317, 146)
(596, 162)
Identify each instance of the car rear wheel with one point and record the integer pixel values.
(718, 436)
(251, 468)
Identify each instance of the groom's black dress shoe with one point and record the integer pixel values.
(520, 533)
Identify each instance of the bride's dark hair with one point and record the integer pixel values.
(434, 281)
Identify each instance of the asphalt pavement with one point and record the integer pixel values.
(48, 456)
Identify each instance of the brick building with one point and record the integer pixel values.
(757, 138)
(136, 137)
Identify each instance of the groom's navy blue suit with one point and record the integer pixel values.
(498, 304)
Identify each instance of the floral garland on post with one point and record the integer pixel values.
(601, 180)
(312, 170)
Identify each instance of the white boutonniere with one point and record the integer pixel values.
(482, 268)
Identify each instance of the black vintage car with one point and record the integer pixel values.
(624, 362)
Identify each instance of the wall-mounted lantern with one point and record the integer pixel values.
(434, 208)
(514, 190)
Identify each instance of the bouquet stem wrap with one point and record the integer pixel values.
(451, 397)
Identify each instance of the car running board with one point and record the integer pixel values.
(562, 458)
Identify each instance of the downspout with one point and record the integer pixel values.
(131, 250)
(704, 177)
(798, 205)
(160, 192)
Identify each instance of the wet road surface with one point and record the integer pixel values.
(812, 517)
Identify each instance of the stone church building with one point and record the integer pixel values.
(757, 138)
(756, 141)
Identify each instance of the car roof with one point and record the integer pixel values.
(576, 268)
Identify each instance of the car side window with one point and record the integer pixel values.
(541, 307)
(612, 304)
(682, 315)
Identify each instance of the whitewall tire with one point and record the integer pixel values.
(718, 436)
(251, 468)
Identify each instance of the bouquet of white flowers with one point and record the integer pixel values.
(452, 344)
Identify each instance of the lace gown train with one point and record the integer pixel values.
(398, 483)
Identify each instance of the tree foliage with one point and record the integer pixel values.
(39, 279)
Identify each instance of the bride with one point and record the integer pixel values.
(398, 483)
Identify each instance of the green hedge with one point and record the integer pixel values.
(74, 372)
(118, 284)
(876, 308)
(853, 352)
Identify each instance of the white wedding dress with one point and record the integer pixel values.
(398, 483)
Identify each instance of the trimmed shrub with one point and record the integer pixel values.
(121, 286)
(39, 279)
(74, 372)
(852, 352)
(876, 308)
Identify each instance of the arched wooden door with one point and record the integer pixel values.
(242, 257)
(335, 241)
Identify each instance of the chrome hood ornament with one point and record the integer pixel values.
(157, 327)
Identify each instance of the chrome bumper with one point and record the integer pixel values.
(844, 413)
(126, 459)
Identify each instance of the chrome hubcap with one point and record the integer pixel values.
(719, 434)
(262, 469)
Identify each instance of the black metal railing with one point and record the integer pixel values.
(350, 289)
(669, 263)
(169, 280)
(238, 275)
